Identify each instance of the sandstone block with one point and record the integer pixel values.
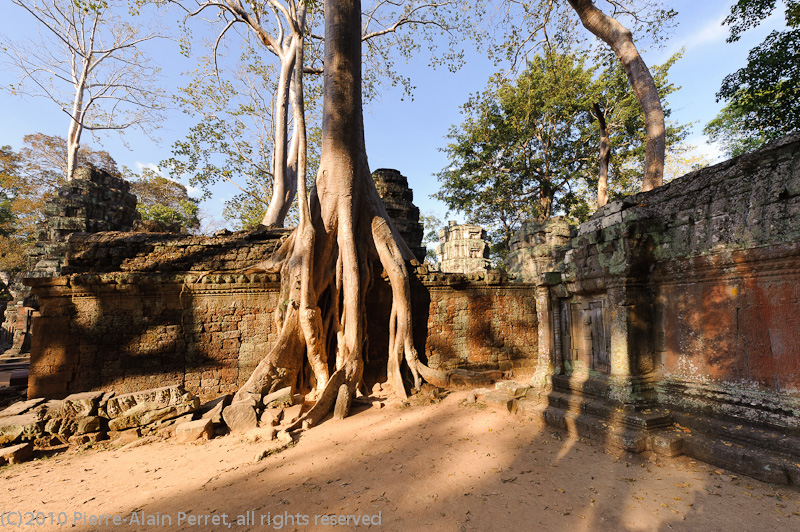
(502, 399)
(163, 397)
(194, 430)
(213, 409)
(240, 417)
(87, 424)
(282, 397)
(150, 412)
(16, 453)
(83, 439)
(21, 427)
(21, 407)
(270, 417)
(125, 436)
(80, 405)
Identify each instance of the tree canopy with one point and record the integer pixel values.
(527, 148)
(763, 96)
(164, 200)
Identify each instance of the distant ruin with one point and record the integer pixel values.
(463, 249)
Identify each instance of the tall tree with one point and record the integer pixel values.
(620, 39)
(326, 263)
(89, 62)
(763, 96)
(522, 147)
(289, 35)
(527, 25)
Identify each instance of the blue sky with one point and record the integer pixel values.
(407, 134)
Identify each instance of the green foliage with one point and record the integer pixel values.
(163, 200)
(232, 142)
(521, 145)
(731, 128)
(529, 148)
(430, 237)
(625, 125)
(525, 148)
(764, 96)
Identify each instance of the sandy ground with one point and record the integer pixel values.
(447, 466)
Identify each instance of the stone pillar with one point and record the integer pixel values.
(547, 365)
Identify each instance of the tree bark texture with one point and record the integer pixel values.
(620, 40)
(605, 156)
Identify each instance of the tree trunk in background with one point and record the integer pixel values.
(619, 38)
(605, 155)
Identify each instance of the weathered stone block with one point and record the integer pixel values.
(21, 407)
(215, 412)
(80, 405)
(21, 427)
(282, 397)
(88, 424)
(194, 430)
(270, 417)
(163, 397)
(240, 416)
(16, 453)
(146, 413)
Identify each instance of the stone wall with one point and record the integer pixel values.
(681, 304)
(142, 315)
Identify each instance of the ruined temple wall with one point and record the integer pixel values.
(695, 285)
(138, 319)
(127, 333)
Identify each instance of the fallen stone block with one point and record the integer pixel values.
(122, 437)
(80, 405)
(87, 424)
(194, 430)
(501, 399)
(156, 398)
(16, 453)
(83, 439)
(49, 409)
(146, 413)
(240, 417)
(282, 397)
(213, 409)
(21, 407)
(513, 387)
(22, 427)
(256, 397)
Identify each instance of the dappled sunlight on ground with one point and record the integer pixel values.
(450, 466)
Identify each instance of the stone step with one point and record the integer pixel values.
(576, 403)
(773, 439)
(613, 433)
(762, 464)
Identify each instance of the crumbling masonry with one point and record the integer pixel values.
(668, 322)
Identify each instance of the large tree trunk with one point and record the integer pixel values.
(326, 263)
(619, 38)
(605, 156)
(343, 230)
(283, 178)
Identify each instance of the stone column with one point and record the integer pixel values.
(546, 363)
